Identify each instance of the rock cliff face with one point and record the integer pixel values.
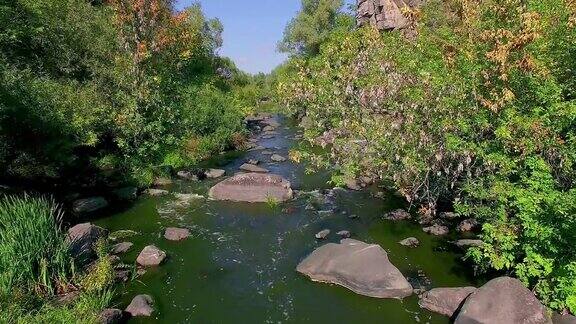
(385, 14)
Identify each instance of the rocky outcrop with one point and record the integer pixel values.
(141, 305)
(252, 187)
(385, 14)
(82, 239)
(445, 301)
(503, 300)
(361, 267)
(151, 256)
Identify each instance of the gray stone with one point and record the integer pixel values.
(141, 305)
(89, 205)
(267, 152)
(277, 158)
(360, 267)
(151, 256)
(252, 168)
(156, 192)
(344, 234)
(122, 247)
(384, 14)
(437, 229)
(448, 215)
(215, 173)
(410, 242)
(82, 238)
(468, 225)
(503, 300)
(466, 243)
(188, 197)
(252, 187)
(322, 234)
(445, 301)
(176, 234)
(563, 319)
(397, 215)
(111, 316)
(268, 128)
(253, 161)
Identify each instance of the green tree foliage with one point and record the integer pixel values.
(476, 110)
(312, 25)
(121, 85)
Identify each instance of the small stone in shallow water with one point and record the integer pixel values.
(277, 158)
(141, 305)
(122, 247)
(253, 161)
(344, 234)
(252, 168)
(437, 229)
(176, 234)
(398, 214)
(187, 175)
(89, 205)
(466, 243)
(215, 173)
(267, 152)
(410, 242)
(188, 197)
(156, 192)
(322, 234)
(151, 256)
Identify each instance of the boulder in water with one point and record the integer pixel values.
(277, 158)
(445, 301)
(111, 316)
(176, 234)
(361, 267)
(141, 305)
(410, 242)
(252, 187)
(151, 256)
(252, 168)
(89, 205)
(322, 234)
(82, 238)
(215, 173)
(503, 300)
(397, 215)
(437, 229)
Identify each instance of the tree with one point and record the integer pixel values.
(311, 26)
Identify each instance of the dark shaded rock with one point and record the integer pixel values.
(277, 158)
(344, 234)
(445, 301)
(89, 205)
(215, 173)
(82, 238)
(563, 319)
(141, 305)
(468, 225)
(466, 243)
(410, 242)
(156, 192)
(122, 247)
(397, 215)
(360, 267)
(111, 316)
(122, 275)
(385, 14)
(176, 234)
(503, 300)
(252, 168)
(252, 187)
(437, 229)
(448, 215)
(322, 234)
(151, 256)
(187, 175)
(126, 194)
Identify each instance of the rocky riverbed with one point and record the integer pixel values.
(227, 248)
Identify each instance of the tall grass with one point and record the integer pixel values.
(34, 254)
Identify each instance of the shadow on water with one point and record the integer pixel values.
(239, 264)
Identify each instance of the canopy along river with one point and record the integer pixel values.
(234, 262)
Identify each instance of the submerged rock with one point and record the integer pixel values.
(445, 301)
(322, 234)
(277, 158)
(361, 267)
(82, 238)
(111, 316)
(410, 242)
(503, 300)
(437, 229)
(156, 192)
(176, 234)
(141, 305)
(122, 247)
(215, 173)
(253, 161)
(252, 168)
(126, 193)
(89, 205)
(397, 215)
(466, 243)
(151, 256)
(252, 187)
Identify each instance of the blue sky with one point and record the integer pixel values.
(252, 28)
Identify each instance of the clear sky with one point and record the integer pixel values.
(252, 28)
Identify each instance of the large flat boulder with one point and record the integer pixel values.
(503, 300)
(445, 301)
(252, 187)
(361, 267)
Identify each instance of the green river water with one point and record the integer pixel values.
(239, 264)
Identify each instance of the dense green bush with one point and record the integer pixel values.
(475, 110)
